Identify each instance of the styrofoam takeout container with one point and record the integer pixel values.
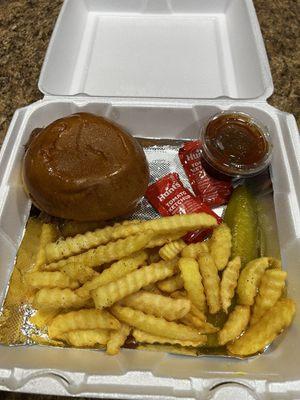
(160, 68)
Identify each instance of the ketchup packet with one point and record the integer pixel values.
(169, 197)
(211, 191)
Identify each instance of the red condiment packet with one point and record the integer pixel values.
(169, 197)
(211, 191)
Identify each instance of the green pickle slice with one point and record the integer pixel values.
(241, 217)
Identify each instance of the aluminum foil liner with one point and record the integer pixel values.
(162, 156)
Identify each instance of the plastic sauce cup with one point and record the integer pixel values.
(235, 144)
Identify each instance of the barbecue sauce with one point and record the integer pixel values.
(235, 145)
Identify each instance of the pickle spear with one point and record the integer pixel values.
(241, 217)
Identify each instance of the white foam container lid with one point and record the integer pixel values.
(160, 68)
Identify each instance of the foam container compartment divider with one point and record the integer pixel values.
(159, 68)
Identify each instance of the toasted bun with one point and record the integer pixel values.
(85, 168)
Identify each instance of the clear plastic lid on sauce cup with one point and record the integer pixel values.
(236, 144)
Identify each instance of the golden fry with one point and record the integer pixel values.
(249, 280)
(144, 337)
(55, 279)
(171, 250)
(87, 338)
(220, 246)
(197, 313)
(81, 320)
(194, 310)
(204, 327)
(132, 222)
(172, 224)
(161, 240)
(260, 335)
(107, 295)
(270, 290)
(194, 250)
(105, 254)
(82, 242)
(117, 339)
(78, 272)
(229, 282)
(192, 282)
(162, 226)
(171, 284)
(158, 305)
(43, 317)
(211, 282)
(48, 235)
(236, 324)
(45, 341)
(57, 298)
(155, 326)
(113, 273)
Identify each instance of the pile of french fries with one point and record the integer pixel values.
(140, 278)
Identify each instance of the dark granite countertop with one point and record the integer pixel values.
(26, 26)
(25, 29)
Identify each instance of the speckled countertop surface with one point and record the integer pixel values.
(26, 26)
(25, 29)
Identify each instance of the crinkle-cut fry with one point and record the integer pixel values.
(87, 338)
(107, 253)
(49, 234)
(43, 317)
(174, 349)
(269, 291)
(45, 341)
(192, 281)
(194, 250)
(158, 305)
(171, 224)
(261, 334)
(44, 279)
(195, 322)
(79, 272)
(211, 282)
(197, 313)
(171, 284)
(144, 337)
(154, 325)
(237, 322)
(82, 320)
(132, 222)
(181, 294)
(116, 271)
(161, 240)
(220, 245)
(107, 295)
(161, 226)
(117, 339)
(249, 280)
(172, 249)
(58, 298)
(70, 246)
(229, 282)
(194, 310)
